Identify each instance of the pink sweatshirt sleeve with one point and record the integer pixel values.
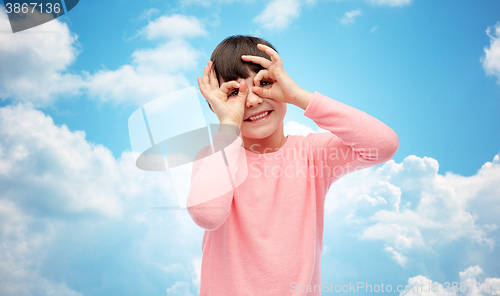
(212, 180)
(357, 140)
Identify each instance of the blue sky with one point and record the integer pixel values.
(75, 212)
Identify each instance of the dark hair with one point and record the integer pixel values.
(227, 61)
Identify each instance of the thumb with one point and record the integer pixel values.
(243, 92)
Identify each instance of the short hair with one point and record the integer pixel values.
(226, 57)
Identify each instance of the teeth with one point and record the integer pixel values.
(260, 116)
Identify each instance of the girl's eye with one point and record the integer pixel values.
(264, 83)
(233, 93)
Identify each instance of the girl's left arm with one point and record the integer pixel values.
(357, 140)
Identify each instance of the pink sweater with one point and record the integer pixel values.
(265, 237)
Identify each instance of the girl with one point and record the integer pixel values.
(260, 195)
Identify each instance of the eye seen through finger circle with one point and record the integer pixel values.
(265, 83)
(233, 93)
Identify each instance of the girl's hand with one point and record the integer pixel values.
(283, 88)
(228, 100)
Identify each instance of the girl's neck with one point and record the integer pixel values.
(266, 145)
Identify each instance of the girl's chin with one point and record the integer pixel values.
(256, 135)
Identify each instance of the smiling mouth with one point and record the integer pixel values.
(258, 118)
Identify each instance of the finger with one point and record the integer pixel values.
(263, 92)
(203, 89)
(243, 91)
(257, 60)
(206, 71)
(213, 78)
(200, 83)
(230, 85)
(263, 74)
(204, 92)
(272, 53)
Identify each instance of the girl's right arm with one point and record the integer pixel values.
(213, 180)
(219, 167)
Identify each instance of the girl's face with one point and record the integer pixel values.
(255, 105)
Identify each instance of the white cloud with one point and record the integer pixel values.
(148, 13)
(295, 128)
(482, 286)
(278, 14)
(173, 56)
(31, 144)
(422, 209)
(34, 62)
(397, 256)
(66, 204)
(129, 85)
(491, 60)
(350, 16)
(18, 276)
(197, 270)
(391, 2)
(174, 26)
(420, 285)
(179, 289)
(154, 71)
(470, 283)
(34, 66)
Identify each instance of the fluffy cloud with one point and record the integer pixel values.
(409, 206)
(179, 289)
(350, 16)
(491, 60)
(34, 62)
(154, 71)
(148, 13)
(76, 221)
(127, 84)
(37, 157)
(295, 128)
(471, 283)
(173, 56)
(278, 14)
(174, 26)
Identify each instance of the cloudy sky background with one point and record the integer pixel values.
(76, 216)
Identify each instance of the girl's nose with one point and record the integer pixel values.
(253, 99)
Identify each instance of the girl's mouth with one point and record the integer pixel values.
(259, 119)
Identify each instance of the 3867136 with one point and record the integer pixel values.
(32, 7)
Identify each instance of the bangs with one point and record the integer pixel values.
(227, 61)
